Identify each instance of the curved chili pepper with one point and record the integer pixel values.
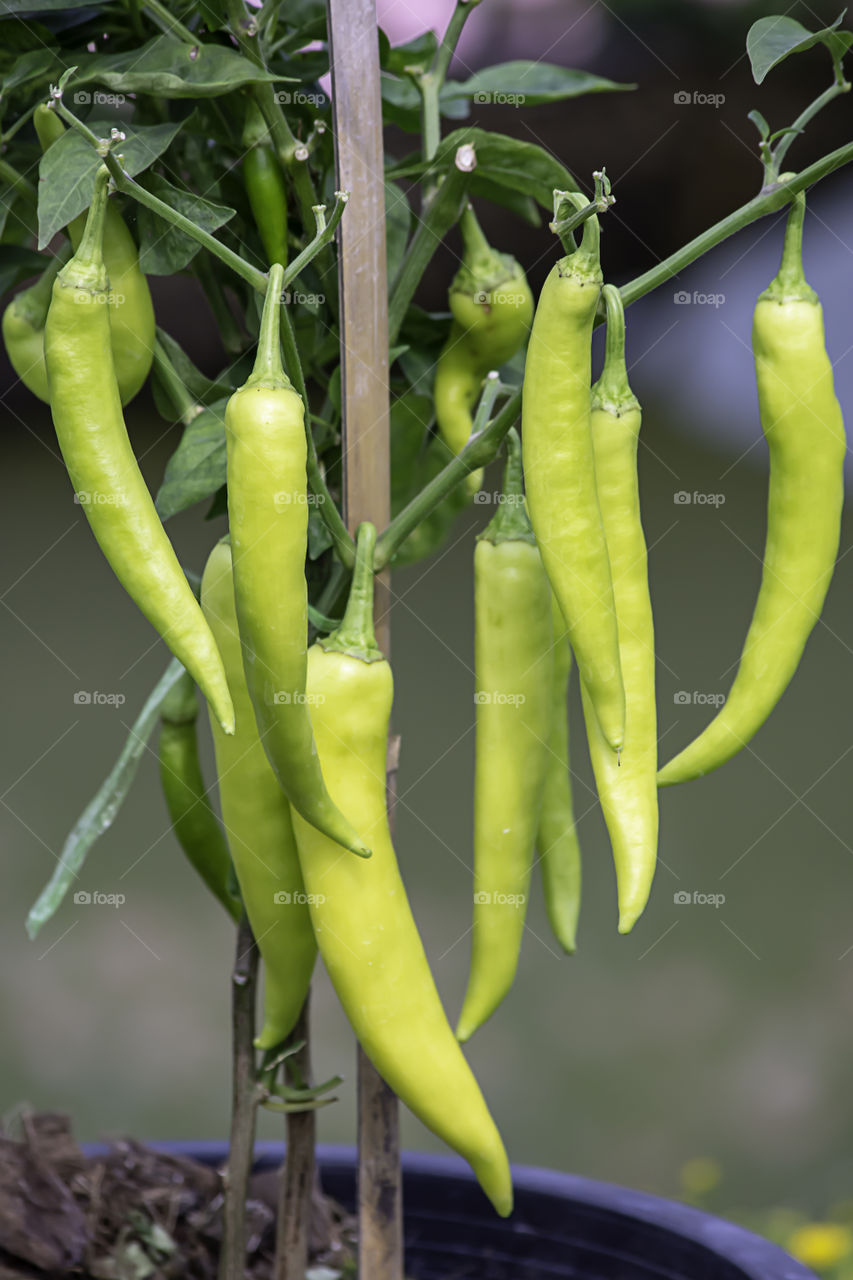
(802, 423)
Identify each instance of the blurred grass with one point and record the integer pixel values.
(723, 1031)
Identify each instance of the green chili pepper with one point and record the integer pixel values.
(560, 474)
(514, 676)
(802, 423)
(268, 518)
(265, 186)
(259, 827)
(362, 921)
(93, 438)
(557, 838)
(196, 827)
(23, 328)
(492, 307)
(626, 783)
(131, 310)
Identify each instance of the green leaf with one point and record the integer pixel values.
(415, 53)
(18, 263)
(197, 467)
(163, 249)
(527, 84)
(101, 811)
(67, 170)
(770, 40)
(398, 222)
(38, 64)
(200, 387)
(319, 538)
(17, 7)
(520, 168)
(168, 68)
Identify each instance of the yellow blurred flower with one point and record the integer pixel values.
(700, 1175)
(821, 1244)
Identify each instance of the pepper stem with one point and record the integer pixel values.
(356, 635)
(473, 236)
(586, 259)
(613, 390)
(90, 250)
(510, 522)
(268, 370)
(790, 282)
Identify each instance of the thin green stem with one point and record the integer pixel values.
(356, 633)
(19, 124)
(170, 24)
(226, 322)
(510, 522)
(17, 181)
(439, 216)
(329, 514)
(267, 371)
(565, 227)
(767, 201)
(450, 39)
(183, 401)
(483, 446)
(430, 83)
(325, 233)
(613, 390)
(781, 149)
(790, 282)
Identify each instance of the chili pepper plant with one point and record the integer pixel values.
(344, 434)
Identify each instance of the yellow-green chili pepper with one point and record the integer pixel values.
(197, 830)
(23, 328)
(559, 472)
(258, 826)
(362, 920)
(268, 521)
(492, 307)
(557, 838)
(90, 429)
(265, 186)
(514, 677)
(132, 322)
(802, 423)
(626, 783)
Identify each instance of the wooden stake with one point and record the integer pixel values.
(363, 294)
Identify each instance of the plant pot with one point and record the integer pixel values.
(562, 1226)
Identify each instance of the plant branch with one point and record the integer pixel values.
(769, 200)
(183, 402)
(781, 149)
(297, 1176)
(18, 182)
(325, 233)
(443, 210)
(171, 25)
(483, 446)
(244, 1105)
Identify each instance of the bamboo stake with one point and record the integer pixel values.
(363, 293)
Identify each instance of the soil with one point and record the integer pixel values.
(133, 1213)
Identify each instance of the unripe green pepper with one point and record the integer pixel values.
(194, 822)
(362, 921)
(268, 521)
(802, 423)
(23, 328)
(559, 471)
(556, 837)
(258, 826)
(265, 186)
(492, 307)
(93, 438)
(132, 322)
(514, 677)
(626, 782)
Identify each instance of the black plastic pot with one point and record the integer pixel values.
(563, 1226)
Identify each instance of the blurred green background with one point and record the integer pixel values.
(723, 1031)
